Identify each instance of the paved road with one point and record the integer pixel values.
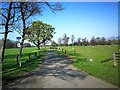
(57, 72)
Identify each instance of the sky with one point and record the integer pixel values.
(82, 19)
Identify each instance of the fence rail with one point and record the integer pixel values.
(31, 56)
(115, 58)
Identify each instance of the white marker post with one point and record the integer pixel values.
(18, 45)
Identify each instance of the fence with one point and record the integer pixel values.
(64, 52)
(115, 58)
(31, 56)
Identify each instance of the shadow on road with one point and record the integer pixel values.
(58, 66)
(52, 65)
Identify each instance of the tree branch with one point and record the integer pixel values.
(4, 16)
(2, 32)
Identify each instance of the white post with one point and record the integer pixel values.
(114, 59)
(20, 63)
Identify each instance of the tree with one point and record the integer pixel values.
(39, 33)
(47, 33)
(11, 14)
(28, 9)
(54, 44)
(98, 40)
(27, 45)
(65, 39)
(8, 14)
(103, 41)
(21, 11)
(93, 41)
(78, 41)
(59, 41)
(85, 42)
(109, 42)
(72, 39)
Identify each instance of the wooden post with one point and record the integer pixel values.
(29, 57)
(65, 52)
(39, 53)
(62, 50)
(74, 52)
(35, 54)
(114, 59)
(17, 59)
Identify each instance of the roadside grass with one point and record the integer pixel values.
(10, 68)
(105, 71)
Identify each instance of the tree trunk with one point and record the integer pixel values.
(21, 44)
(23, 36)
(4, 44)
(44, 45)
(6, 32)
(38, 47)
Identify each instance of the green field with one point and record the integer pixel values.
(11, 69)
(105, 71)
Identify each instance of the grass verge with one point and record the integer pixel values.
(10, 68)
(105, 71)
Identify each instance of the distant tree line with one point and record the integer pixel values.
(84, 41)
(12, 44)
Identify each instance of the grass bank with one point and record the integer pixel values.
(105, 71)
(10, 68)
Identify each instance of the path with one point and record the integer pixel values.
(57, 72)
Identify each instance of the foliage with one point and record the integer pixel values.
(39, 33)
(27, 45)
(54, 44)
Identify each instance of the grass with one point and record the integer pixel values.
(10, 68)
(105, 71)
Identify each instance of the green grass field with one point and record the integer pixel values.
(105, 71)
(11, 69)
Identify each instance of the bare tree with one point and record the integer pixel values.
(78, 41)
(85, 42)
(59, 41)
(93, 41)
(27, 9)
(72, 39)
(98, 40)
(8, 14)
(65, 39)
